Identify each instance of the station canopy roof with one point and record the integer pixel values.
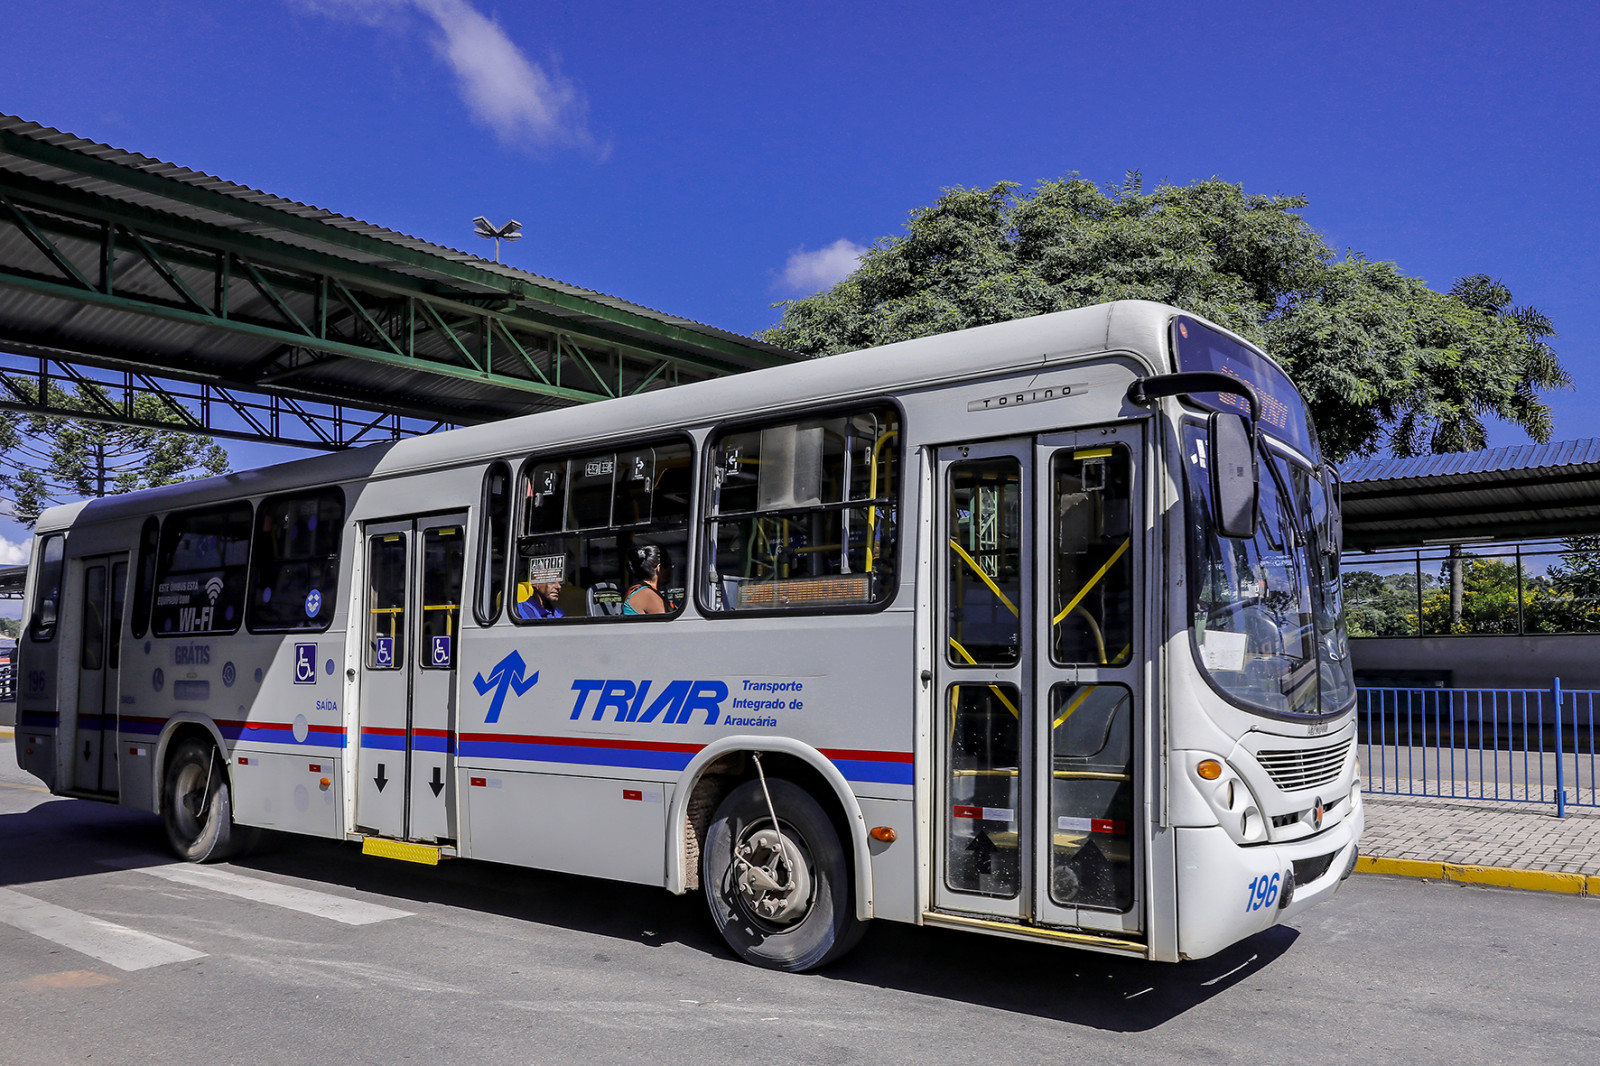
(118, 263)
(1523, 493)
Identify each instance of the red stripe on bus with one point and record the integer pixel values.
(867, 756)
(383, 731)
(233, 723)
(424, 732)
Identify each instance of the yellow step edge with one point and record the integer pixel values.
(400, 849)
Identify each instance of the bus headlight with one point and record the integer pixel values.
(1231, 800)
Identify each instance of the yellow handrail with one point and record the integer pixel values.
(1093, 581)
(965, 654)
(872, 492)
(1072, 708)
(987, 580)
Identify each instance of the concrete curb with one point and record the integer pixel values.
(1495, 876)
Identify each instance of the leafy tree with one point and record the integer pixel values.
(1382, 605)
(52, 459)
(1383, 359)
(1488, 600)
(10, 627)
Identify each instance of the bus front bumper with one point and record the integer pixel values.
(1227, 892)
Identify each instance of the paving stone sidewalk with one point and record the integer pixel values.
(1516, 836)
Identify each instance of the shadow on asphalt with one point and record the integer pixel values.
(68, 838)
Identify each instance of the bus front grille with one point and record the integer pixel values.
(1304, 768)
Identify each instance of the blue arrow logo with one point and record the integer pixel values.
(507, 674)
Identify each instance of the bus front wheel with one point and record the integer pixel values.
(197, 805)
(780, 896)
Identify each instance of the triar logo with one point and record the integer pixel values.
(506, 674)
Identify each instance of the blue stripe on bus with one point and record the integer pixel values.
(634, 758)
(892, 773)
(889, 773)
(424, 742)
(383, 741)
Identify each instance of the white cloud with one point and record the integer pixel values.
(515, 97)
(809, 272)
(14, 554)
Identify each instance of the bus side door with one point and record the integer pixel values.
(411, 614)
(1042, 680)
(94, 744)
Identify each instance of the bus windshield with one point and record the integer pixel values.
(1267, 612)
(1267, 615)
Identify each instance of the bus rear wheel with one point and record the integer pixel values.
(197, 805)
(781, 896)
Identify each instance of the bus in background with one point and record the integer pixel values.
(1032, 629)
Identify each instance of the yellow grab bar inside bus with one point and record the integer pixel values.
(872, 492)
(965, 654)
(1093, 581)
(1072, 707)
(987, 580)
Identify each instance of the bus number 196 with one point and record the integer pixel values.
(1263, 892)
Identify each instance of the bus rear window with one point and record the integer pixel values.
(200, 572)
(294, 570)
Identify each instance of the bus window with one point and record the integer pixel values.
(496, 513)
(604, 535)
(802, 514)
(47, 593)
(200, 571)
(386, 601)
(1091, 608)
(985, 756)
(1091, 796)
(145, 575)
(294, 571)
(984, 568)
(444, 548)
(94, 617)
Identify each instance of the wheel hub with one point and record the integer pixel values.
(773, 882)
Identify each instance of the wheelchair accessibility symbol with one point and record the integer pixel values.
(385, 653)
(440, 651)
(305, 664)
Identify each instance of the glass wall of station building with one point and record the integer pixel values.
(1530, 587)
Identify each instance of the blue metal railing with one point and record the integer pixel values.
(1517, 745)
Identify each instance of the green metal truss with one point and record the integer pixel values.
(286, 321)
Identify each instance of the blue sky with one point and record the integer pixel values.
(709, 159)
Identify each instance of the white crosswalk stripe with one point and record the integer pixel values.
(289, 897)
(117, 945)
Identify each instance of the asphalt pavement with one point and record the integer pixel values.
(308, 952)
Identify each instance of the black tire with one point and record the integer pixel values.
(810, 932)
(197, 805)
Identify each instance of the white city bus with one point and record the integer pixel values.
(1026, 629)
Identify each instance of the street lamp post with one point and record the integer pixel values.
(511, 231)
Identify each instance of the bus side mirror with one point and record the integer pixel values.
(1235, 478)
(1335, 492)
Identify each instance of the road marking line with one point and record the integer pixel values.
(304, 900)
(117, 945)
(24, 788)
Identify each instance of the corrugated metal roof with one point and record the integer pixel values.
(1525, 492)
(1566, 453)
